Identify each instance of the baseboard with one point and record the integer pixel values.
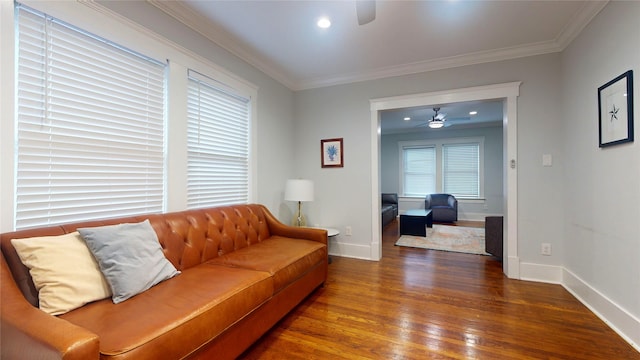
(356, 251)
(475, 216)
(617, 318)
(541, 273)
(511, 267)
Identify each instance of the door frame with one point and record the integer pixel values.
(509, 93)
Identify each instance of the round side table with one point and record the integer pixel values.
(331, 232)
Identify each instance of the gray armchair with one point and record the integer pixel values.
(444, 207)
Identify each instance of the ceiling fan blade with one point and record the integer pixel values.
(366, 11)
(460, 119)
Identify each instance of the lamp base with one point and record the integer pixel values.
(298, 218)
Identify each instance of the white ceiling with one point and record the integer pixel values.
(281, 37)
(489, 113)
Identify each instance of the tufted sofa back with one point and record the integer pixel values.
(188, 238)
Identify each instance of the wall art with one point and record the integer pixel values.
(615, 107)
(332, 153)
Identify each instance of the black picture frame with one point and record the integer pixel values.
(615, 111)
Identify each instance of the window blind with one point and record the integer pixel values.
(419, 166)
(461, 169)
(218, 144)
(90, 126)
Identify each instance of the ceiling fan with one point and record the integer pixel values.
(439, 120)
(366, 11)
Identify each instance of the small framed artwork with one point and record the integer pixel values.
(615, 108)
(331, 153)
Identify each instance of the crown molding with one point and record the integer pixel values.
(474, 58)
(228, 75)
(224, 39)
(579, 21)
(218, 35)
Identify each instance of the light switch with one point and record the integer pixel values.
(547, 160)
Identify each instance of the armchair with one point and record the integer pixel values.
(444, 207)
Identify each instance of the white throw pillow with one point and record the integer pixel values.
(63, 270)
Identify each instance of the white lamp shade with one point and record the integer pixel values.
(298, 190)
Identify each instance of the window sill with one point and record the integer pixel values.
(462, 200)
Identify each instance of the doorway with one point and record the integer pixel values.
(508, 93)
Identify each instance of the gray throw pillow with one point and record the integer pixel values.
(129, 256)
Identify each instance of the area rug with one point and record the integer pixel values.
(448, 238)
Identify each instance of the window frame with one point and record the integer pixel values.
(431, 173)
(438, 145)
(78, 134)
(220, 174)
(447, 172)
(96, 19)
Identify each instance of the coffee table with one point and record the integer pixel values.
(415, 222)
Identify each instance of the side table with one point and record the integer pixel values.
(331, 232)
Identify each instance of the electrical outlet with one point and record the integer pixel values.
(347, 231)
(545, 249)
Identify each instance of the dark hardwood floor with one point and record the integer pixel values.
(426, 304)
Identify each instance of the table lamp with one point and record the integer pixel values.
(299, 190)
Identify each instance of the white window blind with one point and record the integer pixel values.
(419, 168)
(461, 169)
(218, 144)
(90, 126)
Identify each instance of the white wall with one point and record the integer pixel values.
(602, 186)
(343, 111)
(493, 169)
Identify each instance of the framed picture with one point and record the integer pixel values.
(331, 153)
(615, 108)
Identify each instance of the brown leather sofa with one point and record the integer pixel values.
(241, 271)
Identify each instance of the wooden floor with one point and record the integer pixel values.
(426, 304)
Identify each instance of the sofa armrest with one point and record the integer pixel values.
(29, 333)
(278, 228)
(453, 202)
(390, 198)
(427, 202)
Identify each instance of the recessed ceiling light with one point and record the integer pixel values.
(324, 23)
(473, 112)
(407, 118)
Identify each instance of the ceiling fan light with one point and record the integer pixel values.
(436, 124)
